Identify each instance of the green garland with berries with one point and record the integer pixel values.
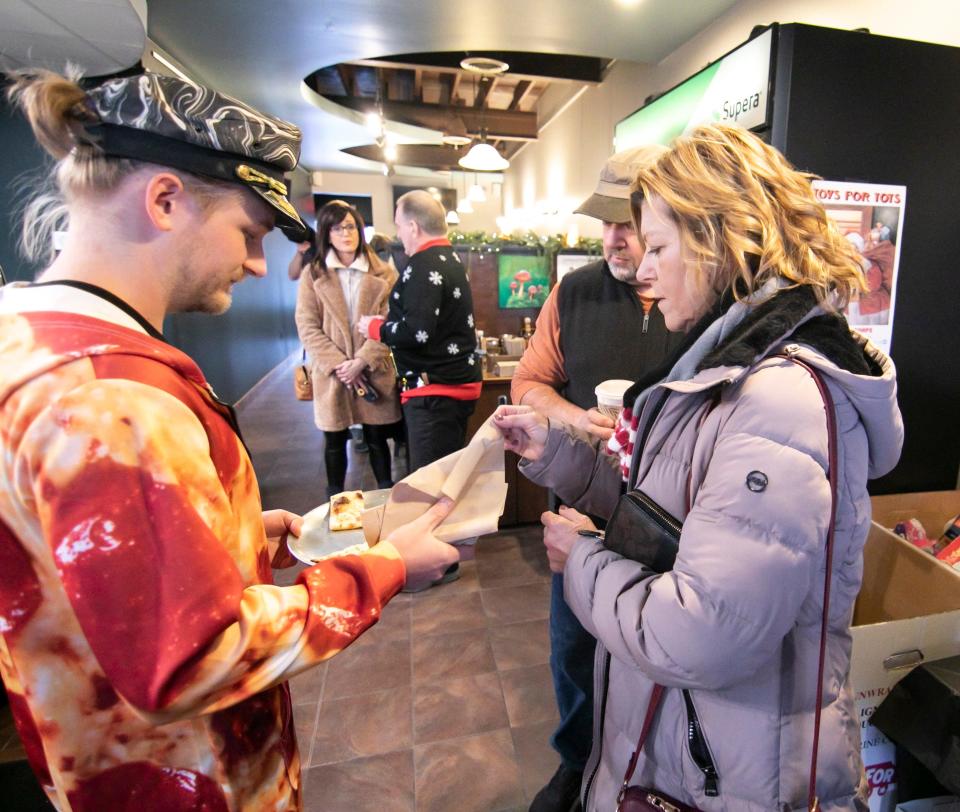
(550, 245)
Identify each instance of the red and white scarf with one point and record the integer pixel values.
(623, 439)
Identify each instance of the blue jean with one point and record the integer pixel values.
(571, 665)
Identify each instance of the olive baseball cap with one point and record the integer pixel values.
(610, 201)
(171, 122)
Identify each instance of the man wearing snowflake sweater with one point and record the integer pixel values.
(429, 327)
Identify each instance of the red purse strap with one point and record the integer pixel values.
(813, 803)
(644, 732)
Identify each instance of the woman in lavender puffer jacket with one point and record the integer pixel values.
(733, 442)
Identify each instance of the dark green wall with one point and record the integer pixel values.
(234, 350)
(237, 349)
(19, 153)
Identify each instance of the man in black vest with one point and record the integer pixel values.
(595, 326)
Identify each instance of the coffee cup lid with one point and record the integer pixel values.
(611, 392)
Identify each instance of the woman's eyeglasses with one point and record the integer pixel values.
(346, 228)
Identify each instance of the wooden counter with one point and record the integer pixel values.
(525, 500)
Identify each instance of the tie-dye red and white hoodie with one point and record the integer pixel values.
(143, 644)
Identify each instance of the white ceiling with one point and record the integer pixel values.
(101, 36)
(260, 51)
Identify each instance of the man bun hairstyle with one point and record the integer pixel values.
(58, 111)
(54, 106)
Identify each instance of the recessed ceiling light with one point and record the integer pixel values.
(484, 65)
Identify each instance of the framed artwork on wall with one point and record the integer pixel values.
(524, 280)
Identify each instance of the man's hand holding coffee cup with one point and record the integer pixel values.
(597, 424)
(609, 405)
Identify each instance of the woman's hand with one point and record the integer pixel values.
(295, 268)
(524, 430)
(279, 524)
(560, 532)
(348, 372)
(363, 325)
(424, 555)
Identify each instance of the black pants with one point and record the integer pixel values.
(335, 456)
(436, 426)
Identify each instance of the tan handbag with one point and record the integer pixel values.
(302, 385)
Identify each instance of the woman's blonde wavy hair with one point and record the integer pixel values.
(746, 216)
(56, 108)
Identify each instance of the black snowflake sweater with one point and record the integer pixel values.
(429, 325)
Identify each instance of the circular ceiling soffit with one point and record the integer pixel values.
(484, 65)
(456, 140)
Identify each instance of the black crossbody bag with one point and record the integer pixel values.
(639, 528)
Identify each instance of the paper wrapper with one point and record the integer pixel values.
(613, 412)
(472, 477)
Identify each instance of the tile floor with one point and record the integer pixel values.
(447, 703)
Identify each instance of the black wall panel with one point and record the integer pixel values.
(856, 107)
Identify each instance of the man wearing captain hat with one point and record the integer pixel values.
(143, 645)
(597, 324)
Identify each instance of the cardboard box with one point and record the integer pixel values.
(933, 508)
(908, 612)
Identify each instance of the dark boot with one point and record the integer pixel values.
(381, 463)
(376, 437)
(561, 794)
(335, 460)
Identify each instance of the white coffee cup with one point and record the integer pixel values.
(610, 396)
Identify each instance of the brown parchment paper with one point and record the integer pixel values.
(472, 477)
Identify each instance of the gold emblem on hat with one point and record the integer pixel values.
(272, 189)
(250, 175)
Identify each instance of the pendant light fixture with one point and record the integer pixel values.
(477, 193)
(483, 157)
(464, 204)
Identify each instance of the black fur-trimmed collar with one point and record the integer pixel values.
(783, 316)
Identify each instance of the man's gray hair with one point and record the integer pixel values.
(425, 210)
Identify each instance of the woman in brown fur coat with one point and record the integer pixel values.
(345, 281)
